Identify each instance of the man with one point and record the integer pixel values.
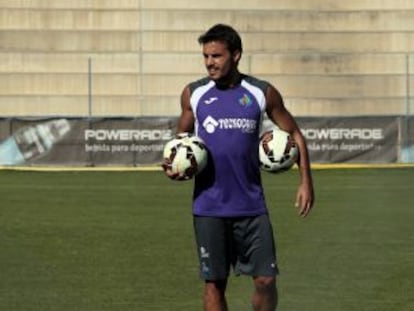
(231, 220)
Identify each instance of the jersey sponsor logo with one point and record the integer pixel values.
(243, 124)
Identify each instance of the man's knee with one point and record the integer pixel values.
(214, 295)
(265, 283)
(216, 286)
(265, 294)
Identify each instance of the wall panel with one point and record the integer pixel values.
(313, 5)
(327, 57)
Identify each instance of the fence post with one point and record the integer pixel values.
(91, 158)
(407, 149)
(89, 88)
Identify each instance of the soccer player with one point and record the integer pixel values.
(231, 222)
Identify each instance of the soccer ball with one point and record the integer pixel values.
(187, 155)
(278, 151)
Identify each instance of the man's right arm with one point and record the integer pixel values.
(186, 120)
(185, 124)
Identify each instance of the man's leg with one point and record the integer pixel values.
(265, 294)
(215, 296)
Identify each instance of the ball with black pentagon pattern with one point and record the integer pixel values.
(187, 154)
(278, 152)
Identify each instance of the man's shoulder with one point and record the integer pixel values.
(198, 83)
(261, 84)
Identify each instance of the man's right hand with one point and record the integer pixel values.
(166, 165)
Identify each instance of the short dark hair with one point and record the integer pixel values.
(224, 33)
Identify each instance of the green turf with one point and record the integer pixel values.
(95, 241)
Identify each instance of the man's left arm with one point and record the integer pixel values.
(278, 113)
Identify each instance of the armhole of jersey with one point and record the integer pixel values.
(258, 88)
(197, 90)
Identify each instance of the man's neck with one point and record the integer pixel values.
(230, 81)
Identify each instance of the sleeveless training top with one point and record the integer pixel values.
(229, 123)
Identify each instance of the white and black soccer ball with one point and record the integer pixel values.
(278, 152)
(187, 155)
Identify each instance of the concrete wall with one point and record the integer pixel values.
(326, 57)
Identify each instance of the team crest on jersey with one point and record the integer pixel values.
(245, 101)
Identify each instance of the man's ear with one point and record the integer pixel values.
(236, 56)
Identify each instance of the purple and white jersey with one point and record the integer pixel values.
(229, 123)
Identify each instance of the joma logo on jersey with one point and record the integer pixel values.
(242, 124)
(210, 100)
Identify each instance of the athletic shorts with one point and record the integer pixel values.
(245, 244)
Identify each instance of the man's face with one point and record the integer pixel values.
(218, 60)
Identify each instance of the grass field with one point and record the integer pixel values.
(96, 241)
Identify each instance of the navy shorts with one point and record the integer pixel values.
(244, 243)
